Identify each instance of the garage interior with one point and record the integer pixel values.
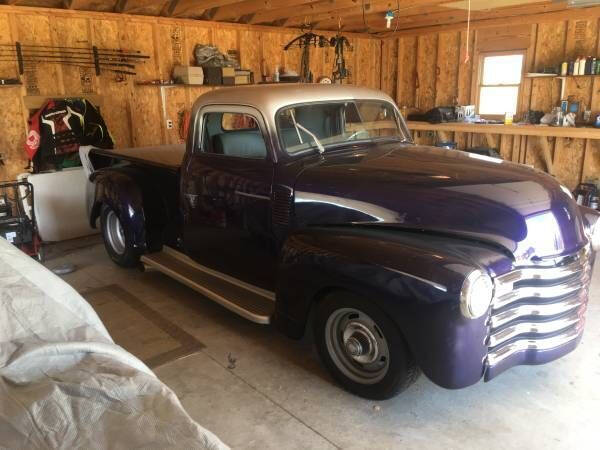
(250, 385)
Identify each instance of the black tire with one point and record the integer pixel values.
(120, 249)
(390, 373)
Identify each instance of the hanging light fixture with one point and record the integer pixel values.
(389, 16)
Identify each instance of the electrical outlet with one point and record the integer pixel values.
(169, 124)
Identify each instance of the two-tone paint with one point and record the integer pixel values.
(400, 224)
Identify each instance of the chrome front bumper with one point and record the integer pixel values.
(537, 313)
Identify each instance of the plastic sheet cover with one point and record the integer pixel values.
(65, 384)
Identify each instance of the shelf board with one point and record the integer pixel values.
(560, 77)
(541, 75)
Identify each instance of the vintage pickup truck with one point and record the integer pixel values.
(309, 207)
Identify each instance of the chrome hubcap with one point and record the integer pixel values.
(360, 343)
(357, 346)
(114, 233)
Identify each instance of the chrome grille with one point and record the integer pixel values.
(538, 307)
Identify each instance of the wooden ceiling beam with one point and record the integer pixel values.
(412, 7)
(339, 8)
(195, 8)
(120, 6)
(168, 8)
(590, 13)
(249, 8)
(376, 22)
(305, 9)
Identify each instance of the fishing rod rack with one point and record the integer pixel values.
(122, 62)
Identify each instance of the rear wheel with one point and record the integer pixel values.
(362, 347)
(116, 241)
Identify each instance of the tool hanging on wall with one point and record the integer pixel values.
(305, 41)
(112, 60)
(340, 72)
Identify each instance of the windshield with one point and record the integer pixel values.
(319, 125)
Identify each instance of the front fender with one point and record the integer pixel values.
(414, 277)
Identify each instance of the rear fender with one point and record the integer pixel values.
(122, 193)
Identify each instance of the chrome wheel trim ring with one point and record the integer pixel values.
(357, 346)
(114, 233)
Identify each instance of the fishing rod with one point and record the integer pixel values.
(111, 56)
(58, 61)
(96, 58)
(91, 66)
(111, 50)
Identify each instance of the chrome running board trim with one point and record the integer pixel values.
(250, 302)
(215, 273)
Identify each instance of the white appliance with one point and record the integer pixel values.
(61, 202)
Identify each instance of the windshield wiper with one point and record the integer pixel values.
(315, 138)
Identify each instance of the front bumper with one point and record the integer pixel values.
(538, 312)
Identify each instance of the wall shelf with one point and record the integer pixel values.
(559, 77)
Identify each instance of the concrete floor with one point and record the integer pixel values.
(277, 395)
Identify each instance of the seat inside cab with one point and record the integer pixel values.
(233, 134)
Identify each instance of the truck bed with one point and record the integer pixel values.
(164, 156)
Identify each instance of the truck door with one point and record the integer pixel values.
(226, 195)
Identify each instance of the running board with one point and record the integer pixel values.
(246, 300)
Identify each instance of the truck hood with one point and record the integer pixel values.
(521, 209)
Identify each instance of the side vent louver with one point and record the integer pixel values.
(281, 205)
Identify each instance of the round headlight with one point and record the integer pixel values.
(476, 294)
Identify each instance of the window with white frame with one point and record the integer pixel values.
(499, 83)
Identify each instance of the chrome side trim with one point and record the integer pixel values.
(249, 287)
(378, 213)
(549, 309)
(438, 286)
(247, 194)
(553, 326)
(543, 292)
(497, 356)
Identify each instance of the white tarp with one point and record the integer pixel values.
(65, 384)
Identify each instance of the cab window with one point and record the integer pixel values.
(233, 134)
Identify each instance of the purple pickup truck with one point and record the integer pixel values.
(309, 207)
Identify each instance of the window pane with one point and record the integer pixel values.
(336, 123)
(498, 100)
(504, 69)
(238, 121)
(233, 134)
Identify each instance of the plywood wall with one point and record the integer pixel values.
(136, 115)
(430, 70)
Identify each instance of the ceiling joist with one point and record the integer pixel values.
(352, 15)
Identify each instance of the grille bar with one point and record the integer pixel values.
(538, 307)
(543, 292)
(496, 356)
(535, 328)
(539, 310)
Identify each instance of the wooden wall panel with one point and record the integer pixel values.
(545, 44)
(137, 115)
(116, 108)
(426, 71)
(446, 83)
(407, 72)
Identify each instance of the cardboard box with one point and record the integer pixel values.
(218, 75)
(242, 79)
(188, 74)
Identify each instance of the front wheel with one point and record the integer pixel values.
(116, 241)
(362, 347)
